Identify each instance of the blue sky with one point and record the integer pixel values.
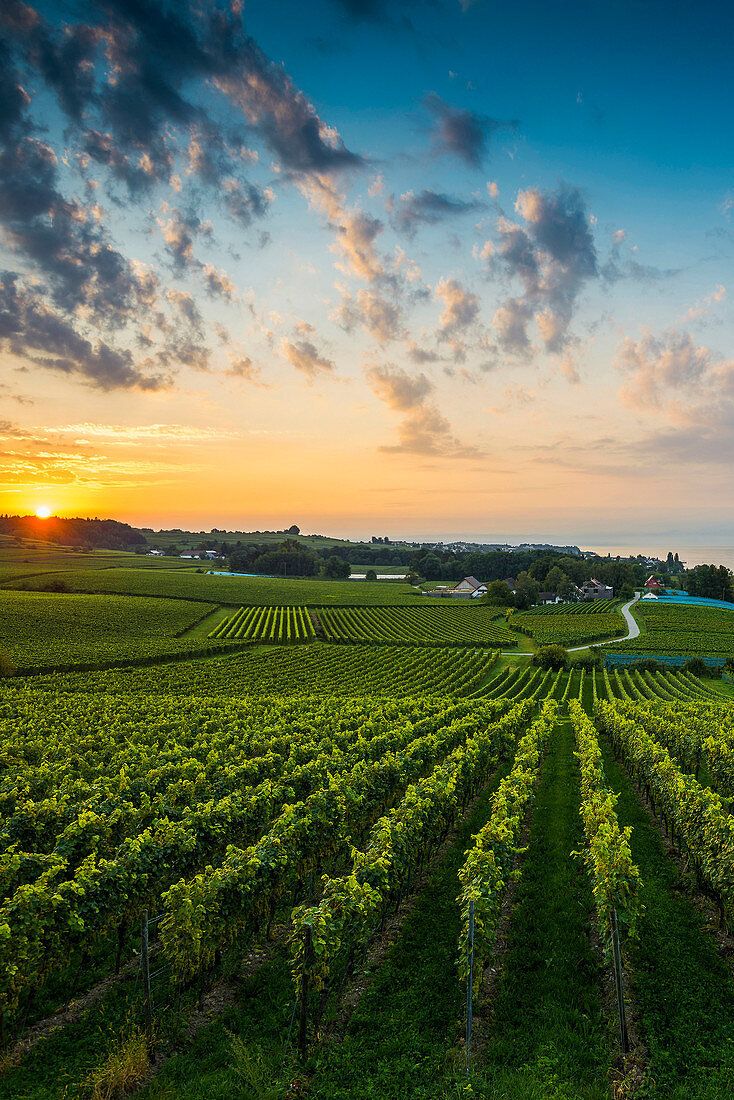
(435, 267)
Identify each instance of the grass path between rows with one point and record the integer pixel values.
(683, 989)
(548, 1036)
(400, 1040)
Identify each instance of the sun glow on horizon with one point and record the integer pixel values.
(43, 511)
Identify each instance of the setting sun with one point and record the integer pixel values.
(43, 512)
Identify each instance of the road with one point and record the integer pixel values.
(633, 632)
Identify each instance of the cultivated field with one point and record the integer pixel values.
(570, 624)
(676, 629)
(188, 584)
(306, 833)
(42, 630)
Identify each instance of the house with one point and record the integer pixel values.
(595, 590)
(650, 596)
(511, 583)
(652, 583)
(189, 554)
(469, 585)
(468, 588)
(548, 597)
(155, 554)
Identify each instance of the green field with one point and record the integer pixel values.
(570, 624)
(438, 626)
(315, 670)
(677, 630)
(267, 624)
(188, 584)
(360, 795)
(41, 630)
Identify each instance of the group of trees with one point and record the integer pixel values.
(714, 581)
(289, 559)
(105, 534)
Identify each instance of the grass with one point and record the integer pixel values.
(548, 1036)
(240, 1055)
(187, 584)
(682, 987)
(103, 1045)
(399, 1042)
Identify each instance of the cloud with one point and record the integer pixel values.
(218, 283)
(510, 322)
(421, 355)
(427, 208)
(244, 201)
(461, 310)
(462, 133)
(134, 79)
(125, 434)
(356, 235)
(622, 264)
(461, 307)
(31, 330)
(373, 312)
(690, 386)
(661, 367)
(179, 231)
(703, 307)
(553, 256)
(65, 240)
(304, 356)
(422, 429)
(377, 11)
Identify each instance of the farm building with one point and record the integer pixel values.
(467, 588)
(595, 590)
(652, 583)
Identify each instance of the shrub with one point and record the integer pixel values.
(697, 667)
(647, 664)
(551, 656)
(588, 661)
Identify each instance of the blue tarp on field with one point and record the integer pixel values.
(669, 595)
(612, 660)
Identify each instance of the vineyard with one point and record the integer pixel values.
(427, 626)
(681, 630)
(280, 625)
(317, 670)
(570, 624)
(378, 831)
(40, 630)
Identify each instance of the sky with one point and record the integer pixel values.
(423, 268)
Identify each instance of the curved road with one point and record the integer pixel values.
(633, 632)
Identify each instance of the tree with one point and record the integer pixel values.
(566, 589)
(527, 590)
(370, 575)
(554, 579)
(294, 530)
(432, 569)
(337, 569)
(500, 594)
